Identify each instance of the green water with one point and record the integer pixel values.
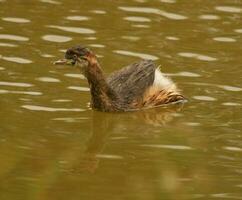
(54, 147)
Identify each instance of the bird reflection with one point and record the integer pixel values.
(105, 124)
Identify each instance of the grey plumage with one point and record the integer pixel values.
(132, 81)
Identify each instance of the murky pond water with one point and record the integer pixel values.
(53, 146)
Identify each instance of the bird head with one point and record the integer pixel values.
(78, 56)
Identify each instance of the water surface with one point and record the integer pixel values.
(53, 146)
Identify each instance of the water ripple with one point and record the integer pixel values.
(209, 17)
(226, 196)
(140, 55)
(101, 12)
(231, 104)
(193, 124)
(16, 59)
(185, 74)
(224, 39)
(168, 1)
(90, 38)
(3, 44)
(78, 88)
(20, 92)
(204, 98)
(224, 87)
(56, 38)
(131, 38)
(109, 156)
(137, 19)
(230, 88)
(140, 25)
(232, 148)
(73, 29)
(70, 119)
(230, 9)
(197, 56)
(13, 37)
(48, 79)
(97, 45)
(80, 76)
(51, 2)
(238, 30)
(77, 18)
(175, 147)
(44, 55)
(61, 100)
(165, 14)
(51, 109)
(15, 84)
(172, 38)
(16, 19)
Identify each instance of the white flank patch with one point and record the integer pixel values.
(163, 82)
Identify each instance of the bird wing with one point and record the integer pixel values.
(132, 81)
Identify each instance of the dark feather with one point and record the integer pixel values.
(132, 81)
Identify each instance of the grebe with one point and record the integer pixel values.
(137, 86)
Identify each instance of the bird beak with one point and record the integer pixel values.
(64, 62)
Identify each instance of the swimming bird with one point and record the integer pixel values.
(137, 86)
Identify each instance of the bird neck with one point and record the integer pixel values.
(103, 97)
